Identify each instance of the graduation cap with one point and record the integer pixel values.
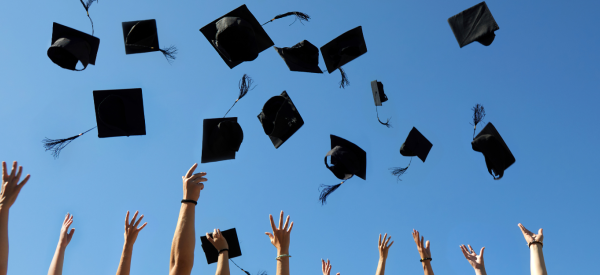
(379, 97)
(280, 119)
(342, 50)
(118, 113)
(347, 160)
(474, 24)
(302, 57)
(212, 254)
(415, 145)
(497, 155)
(142, 37)
(86, 6)
(70, 46)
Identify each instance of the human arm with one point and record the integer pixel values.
(220, 243)
(184, 239)
(326, 267)
(56, 266)
(383, 253)
(535, 242)
(10, 190)
(280, 238)
(475, 260)
(424, 252)
(131, 232)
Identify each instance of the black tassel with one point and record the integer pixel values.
(56, 145)
(399, 171)
(169, 53)
(262, 272)
(344, 82)
(327, 190)
(248, 273)
(478, 115)
(299, 16)
(387, 123)
(245, 85)
(86, 6)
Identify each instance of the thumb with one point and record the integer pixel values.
(481, 252)
(269, 234)
(209, 237)
(541, 231)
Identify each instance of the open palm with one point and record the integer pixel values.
(530, 236)
(475, 260)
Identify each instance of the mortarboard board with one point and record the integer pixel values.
(212, 255)
(497, 155)
(221, 139)
(343, 49)
(379, 97)
(70, 46)
(280, 119)
(237, 36)
(302, 57)
(347, 160)
(415, 145)
(474, 24)
(142, 37)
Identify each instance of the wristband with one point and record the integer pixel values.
(430, 259)
(223, 250)
(283, 255)
(193, 201)
(536, 242)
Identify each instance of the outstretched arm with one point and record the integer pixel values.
(383, 253)
(184, 240)
(475, 260)
(10, 190)
(220, 243)
(131, 232)
(424, 252)
(535, 242)
(56, 266)
(280, 238)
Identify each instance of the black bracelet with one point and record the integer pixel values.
(422, 260)
(223, 250)
(536, 242)
(195, 202)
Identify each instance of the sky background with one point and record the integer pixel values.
(538, 81)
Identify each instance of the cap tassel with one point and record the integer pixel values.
(245, 85)
(86, 6)
(387, 123)
(344, 82)
(299, 16)
(56, 145)
(399, 171)
(478, 115)
(169, 53)
(327, 190)
(248, 273)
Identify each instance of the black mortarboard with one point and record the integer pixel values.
(212, 255)
(379, 97)
(415, 145)
(280, 119)
(302, 57)
(119, 113)
(237, 36)
(474, 24)
(342, 50)
(221, 138)
(347, 160)
(497, 155)
(70, 46)
(142, 37)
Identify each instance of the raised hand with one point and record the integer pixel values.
(475, 260)
(131, 228)
(326, 267)
(193, 184)
(217, 240)
(10, 184)
(384, 247)
(530, 237)
(280, 238)
(423, 248)
(65, 235)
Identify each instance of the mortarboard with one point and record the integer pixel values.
(497, 155)
(280, 119)
(379, 97)
(342, 50)
(474, 24)
(212, 255)
(70, 46)
(415, 145)
(302, 57)
(118, 113)
(347, 160)
(221, 139)
(142, 37)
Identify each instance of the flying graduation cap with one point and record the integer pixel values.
(302, 57)
(234, 250)
(222, 137)
(118, 113)
(142, 37)
(343, 49)
(497, 155)
(70, 46)
(347, 160)
(280, 119)
(474, 24)
(415, 145)
(379, 97)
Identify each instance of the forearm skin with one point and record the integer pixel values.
(184, 241)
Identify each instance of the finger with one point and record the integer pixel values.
(70, 235)
(337, 273)
(464, 251)
(191, 171)
(287, 220)
(322, 265)
(138, 221)
(379, 241)
(197, 177)
(481, 252)
(541, 231)
(13, 169)
(4, 171)
(270, 235)
(127, 219)
(471, 249)
(272, 223)
(422, 239)
(133, 219)
(66, 218)
(388, 240)
(25, 180)
(214, 233)
(390, 244)
(280, 219)
(290, 230)
(209, 237)
(143, 225)
(384, 236)
(523, 229)
(16, 179)
(427, 245)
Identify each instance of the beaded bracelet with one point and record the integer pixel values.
(283, 255)
(536, 242)
(430, 259)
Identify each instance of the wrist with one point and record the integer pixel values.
(480, 271)
(128, 245)
(283, 251)
(4, 208)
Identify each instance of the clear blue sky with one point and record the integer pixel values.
(538, 82)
